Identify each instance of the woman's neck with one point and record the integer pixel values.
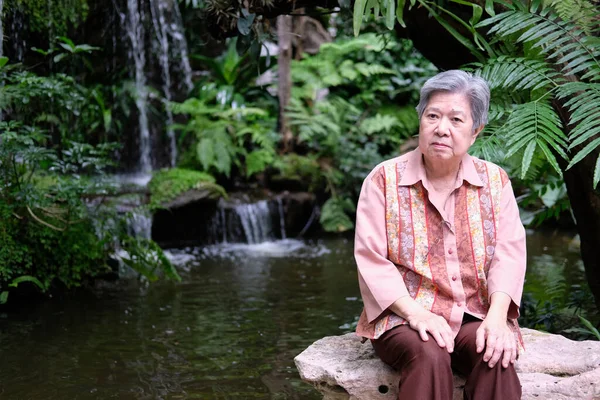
(441, 173)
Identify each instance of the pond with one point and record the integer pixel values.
(229, 330)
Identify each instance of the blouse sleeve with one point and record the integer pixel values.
(507, 269)
(381, 283)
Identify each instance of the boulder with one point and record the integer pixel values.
(552, 368)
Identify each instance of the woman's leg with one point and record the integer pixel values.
(425, 372)
(483, 382)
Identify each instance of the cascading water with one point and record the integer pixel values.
(16, 27)
(161, 28)
(252, 223)
(281, 217)
(135, 30)
(139, 224)
(256, 221)
(178, 35)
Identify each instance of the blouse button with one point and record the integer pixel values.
(453, 277)
(450, 251)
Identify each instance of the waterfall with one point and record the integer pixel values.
(139, 224)
(16, 27)
(157, 8)
(256, 221)
(252, 223)
(181, 46)
(135, 31)
(281, 217)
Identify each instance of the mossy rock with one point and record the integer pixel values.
(171, 188)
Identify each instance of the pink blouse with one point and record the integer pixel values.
(449, 259)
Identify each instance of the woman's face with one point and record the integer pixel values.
(446, 128)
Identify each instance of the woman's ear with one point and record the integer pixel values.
(476, 133)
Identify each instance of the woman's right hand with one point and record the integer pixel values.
(424, 321)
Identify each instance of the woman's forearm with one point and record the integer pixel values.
(499, 303)
(406, 307)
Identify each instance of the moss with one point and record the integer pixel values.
(167, 184)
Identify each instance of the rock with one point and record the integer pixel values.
(552, 368)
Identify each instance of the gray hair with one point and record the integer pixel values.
(474, 88)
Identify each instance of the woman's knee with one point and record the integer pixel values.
(429, 353)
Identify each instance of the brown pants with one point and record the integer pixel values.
(426, 368)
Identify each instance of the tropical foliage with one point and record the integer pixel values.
(342, 111)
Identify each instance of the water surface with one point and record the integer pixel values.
(229, 330)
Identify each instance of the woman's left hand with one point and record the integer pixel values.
(498, 340)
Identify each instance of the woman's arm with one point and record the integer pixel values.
(494, 334)
(380, 282)
(424, 321)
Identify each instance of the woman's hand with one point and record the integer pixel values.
(423, 321)
(498, 340)
(426, 321)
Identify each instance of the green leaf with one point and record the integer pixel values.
(550, 157)
(527, 156)
(357, 17)
(3, 297)
(57, 58)
(593, 145)
(27, 278)
(477, 10)
(597, 173)
(222, 158)
(205, 153)
(3, 61)
(400, 13)
(244, 23)
(390, 14)
(589, 326)
(333, 216)
(457, 35)
(489, 7)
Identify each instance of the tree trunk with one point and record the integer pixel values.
(284, 84)
(585, 203)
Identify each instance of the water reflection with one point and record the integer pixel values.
(229, 330)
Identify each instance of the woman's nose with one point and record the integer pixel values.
(443, 128)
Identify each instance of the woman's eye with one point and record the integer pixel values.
(431, 116)
(457, 119)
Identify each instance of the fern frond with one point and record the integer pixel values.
(490, 145)
(379, 123)
(535, 125)
(517, 73)
(373, 69)
(584, 108)
(581, 12)
(334, 217)
(558, 39)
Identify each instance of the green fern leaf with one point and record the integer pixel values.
(333, 215)
(205, 153)
(527, 156)
(581, 154)
(597, 172)
(517, 73)
(378, 123)
(546, 31)
(531, 124)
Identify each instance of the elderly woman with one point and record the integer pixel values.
(440, 251)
